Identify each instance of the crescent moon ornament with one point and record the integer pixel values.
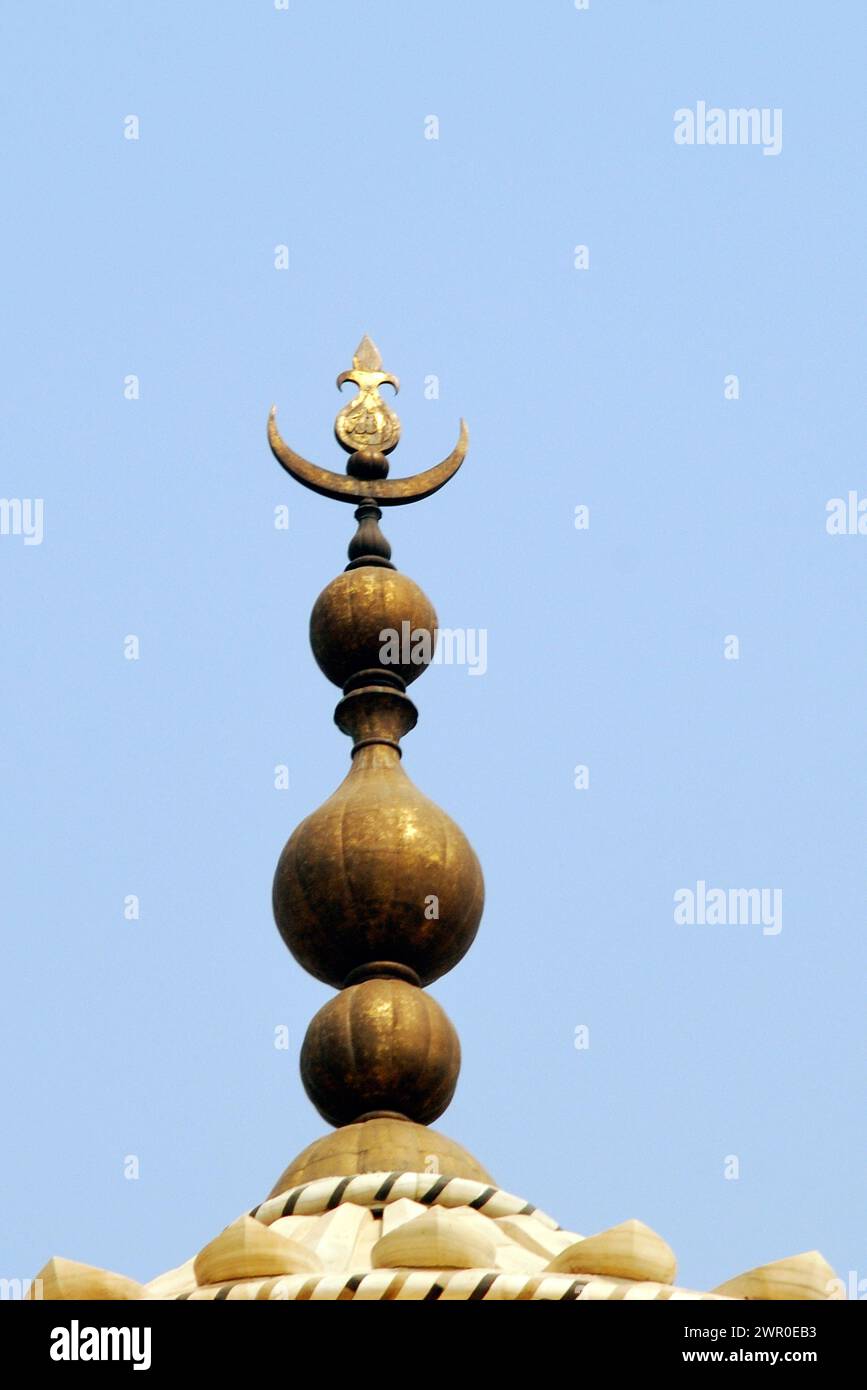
(368, 429)
(391, 492)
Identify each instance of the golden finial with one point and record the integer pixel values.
(368, 429)
(378, 892)
(367, 422)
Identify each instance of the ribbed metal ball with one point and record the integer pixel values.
(378, 872)
(353, 611)
(380, 1046)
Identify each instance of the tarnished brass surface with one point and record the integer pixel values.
(381, 1146)
(388, 492)
(355, 608)
(376, 714)
(362, 877)
(380, 1045)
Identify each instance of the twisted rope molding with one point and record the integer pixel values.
(428, 1286)
(380, 1189)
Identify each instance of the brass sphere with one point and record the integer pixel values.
(355, 608)
(380, 1045)
(378, 872)
(381, 1146)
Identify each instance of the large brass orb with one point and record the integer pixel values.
(380, 1045)
(355, 608)
(378, 872)
(381, 1146)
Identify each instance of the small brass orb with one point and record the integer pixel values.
(380, 1045)
(355, 608)
(378, 872)
(367, 463)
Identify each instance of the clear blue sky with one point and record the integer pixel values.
(601, 387)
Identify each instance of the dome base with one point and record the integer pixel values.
(377, 1146)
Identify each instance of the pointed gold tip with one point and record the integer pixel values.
(366, 357)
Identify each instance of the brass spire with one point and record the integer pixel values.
(377, 892)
